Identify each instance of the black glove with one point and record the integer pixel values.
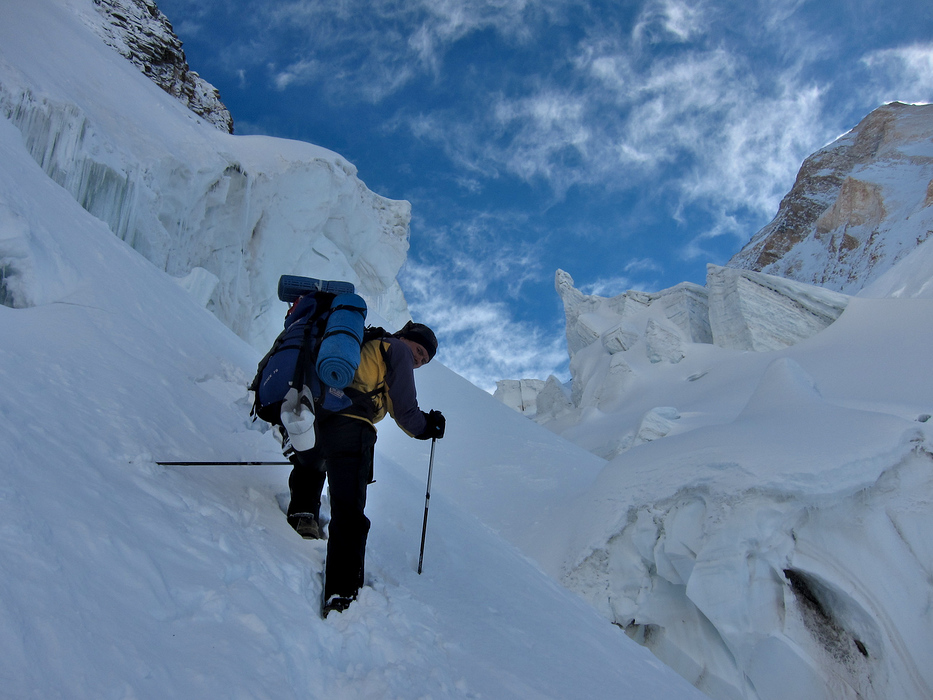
(434, 425)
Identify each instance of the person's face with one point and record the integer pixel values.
(417, 350)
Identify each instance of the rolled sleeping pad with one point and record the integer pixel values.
(292, 286)
(339, 354)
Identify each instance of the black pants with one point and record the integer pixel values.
(344, 454)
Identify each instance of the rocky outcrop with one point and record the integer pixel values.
(142, 34)
(857, 207)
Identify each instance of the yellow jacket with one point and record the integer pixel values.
(384, 383)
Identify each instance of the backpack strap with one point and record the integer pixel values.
(308, 351)
(362, 401)
(279, 345)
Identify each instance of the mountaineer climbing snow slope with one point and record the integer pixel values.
(791, 475)
(126, 578)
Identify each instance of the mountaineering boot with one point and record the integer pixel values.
(336, 602)
(306, 525)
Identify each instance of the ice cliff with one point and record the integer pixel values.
(224, 215)
(613, 341)
(858, 206)
(759, 522)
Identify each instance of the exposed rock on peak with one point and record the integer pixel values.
(850, 215)
(142, 34)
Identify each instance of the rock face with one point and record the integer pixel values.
(142, 34)
(858, 206)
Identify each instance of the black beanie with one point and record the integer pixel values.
(421, 334)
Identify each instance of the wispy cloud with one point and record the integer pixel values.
(375, 47)
(699, 119)
(665, 20)
(904, 74)
(486, 250)
(619, 124)
(642, 265)
(610, 108)
(467, 288)
(640, 275)
(478, 337)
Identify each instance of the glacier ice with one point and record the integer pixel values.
(608, 339)
(657, 423)
(753, 311)
(662, 344)
(521, 394)
(243, 209)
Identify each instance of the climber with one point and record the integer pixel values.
(343, 452)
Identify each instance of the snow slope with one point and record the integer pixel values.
(761, 523)
(803, 475)
(126, 579)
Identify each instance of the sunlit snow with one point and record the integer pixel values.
(756, 514)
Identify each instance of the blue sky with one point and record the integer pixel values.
(629, 143)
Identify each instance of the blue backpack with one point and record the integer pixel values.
(318, 349)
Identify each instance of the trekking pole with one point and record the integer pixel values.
(221, 464)
(427, 502)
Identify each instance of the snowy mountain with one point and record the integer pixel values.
(126, 579)
(858, 206)
(756, 512)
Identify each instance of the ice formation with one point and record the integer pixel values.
(737, 309)
(520, 393)
(189, 197)
(754, 311)
(787, 539)
(760, 520)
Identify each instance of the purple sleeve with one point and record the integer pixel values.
(400, 380)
